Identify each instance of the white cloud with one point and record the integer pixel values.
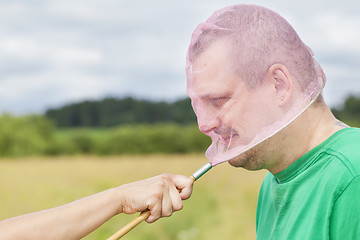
(334, 31)
(51, 89)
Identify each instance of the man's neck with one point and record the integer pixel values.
(310, 129)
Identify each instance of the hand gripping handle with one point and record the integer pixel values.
(144, 215)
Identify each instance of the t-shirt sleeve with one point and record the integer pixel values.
(345, 219)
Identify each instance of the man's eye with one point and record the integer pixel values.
(219, 101)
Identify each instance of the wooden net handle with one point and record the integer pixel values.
(144, 215)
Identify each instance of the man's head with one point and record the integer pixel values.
(249, 75)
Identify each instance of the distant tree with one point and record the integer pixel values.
(182, 112)
(350, 111)
(25, 135)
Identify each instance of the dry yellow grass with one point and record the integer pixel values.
(222, 205)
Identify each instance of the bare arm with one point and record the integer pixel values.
(77, 219)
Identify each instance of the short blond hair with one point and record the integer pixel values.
(258, 38)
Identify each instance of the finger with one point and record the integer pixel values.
(166, 209)
(184, 184)
(175, 199)
(181, 181)
(186, 192)
(155, 210)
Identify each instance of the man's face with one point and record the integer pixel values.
(227, 111)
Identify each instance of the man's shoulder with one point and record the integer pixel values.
(345, 148)
(346, 140)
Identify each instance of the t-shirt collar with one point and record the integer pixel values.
(301, 164)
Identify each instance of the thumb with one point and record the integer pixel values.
(184, 185)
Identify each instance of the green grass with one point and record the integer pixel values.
(130, 139)
(222, 205)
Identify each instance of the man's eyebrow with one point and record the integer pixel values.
(216, 95)
(206, 96)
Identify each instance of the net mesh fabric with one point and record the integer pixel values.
(229, 60)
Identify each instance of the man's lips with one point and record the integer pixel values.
(225, 140)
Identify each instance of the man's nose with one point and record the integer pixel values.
(208, 124)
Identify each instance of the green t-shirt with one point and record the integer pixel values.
(316, 197)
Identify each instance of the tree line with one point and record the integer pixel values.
(106, 127)
(110, 112)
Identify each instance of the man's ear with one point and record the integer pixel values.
(281, 81)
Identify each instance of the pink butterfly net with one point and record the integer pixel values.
(228, 63)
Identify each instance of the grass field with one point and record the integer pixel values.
(222, 205)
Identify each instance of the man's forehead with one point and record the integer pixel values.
(216, 52)
(211, 72)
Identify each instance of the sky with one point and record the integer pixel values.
(55, 52)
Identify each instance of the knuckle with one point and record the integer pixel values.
(150, 219)
(165, 177)
(167, 213)
(178, 207)
(159, 186)
(164, 180)
(155, 214)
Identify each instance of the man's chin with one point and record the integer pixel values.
(237, 161)
(247, 160)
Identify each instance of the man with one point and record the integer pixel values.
(75, 220)
(256, 90)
